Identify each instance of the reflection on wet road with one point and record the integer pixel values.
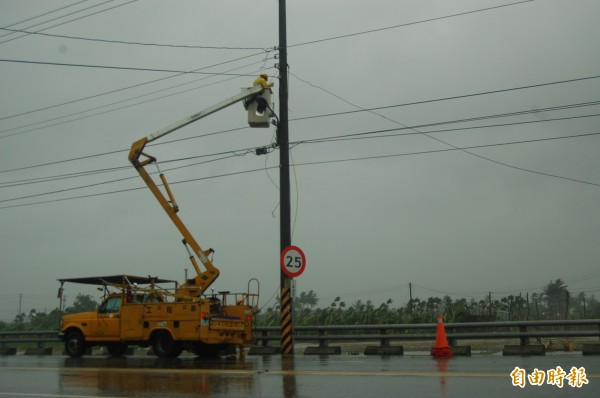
(274, 376)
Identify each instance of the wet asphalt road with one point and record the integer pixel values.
(299, 376)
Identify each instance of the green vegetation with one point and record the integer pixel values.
(48, 321)
(553, 302)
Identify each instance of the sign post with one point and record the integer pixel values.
(292, 263)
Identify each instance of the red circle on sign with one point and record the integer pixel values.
(292, 261)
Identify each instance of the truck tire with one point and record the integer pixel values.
(164, 346)
(116, 349)
(75, 344)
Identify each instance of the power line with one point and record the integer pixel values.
(14, 183)
(306, 117)
(395, 26)
(454, 147)
(128, 87)
(72, 20)
(7, 28)
(463, 120)
(29, 181)
(130, 68)
(120, 102)
(449, 98)
(371, 134)
(143, 188)
(135, 42)
(516, 113)
(116, 151)
(362, 135)
(296, 164)
(63, 161)
(231, 154)
(42, 15)
(351, 136)
(401, 135)
(463, 149)
(407, 24)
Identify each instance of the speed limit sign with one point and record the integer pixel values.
(292, 261)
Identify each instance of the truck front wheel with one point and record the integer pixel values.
(75, 344)
(164, 346)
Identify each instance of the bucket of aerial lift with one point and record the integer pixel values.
(259, 109)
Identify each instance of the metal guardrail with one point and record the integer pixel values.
(522, 330)
(384, 333)
(39, 336)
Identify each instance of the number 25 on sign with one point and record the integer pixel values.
(292, 261)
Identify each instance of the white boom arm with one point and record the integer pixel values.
(193, 287)
(246, 92)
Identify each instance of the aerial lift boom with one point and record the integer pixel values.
(196, 286)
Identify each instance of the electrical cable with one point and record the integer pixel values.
(276, 167)
(302, 118)
(128, 68)
(407, 24)
(128, 87)
(134, 42)
(139, 188)
(351, 136)
(460, 149)
(397, 26)
(122, 179)
(448, 98)
(371, 134)
(530, 141)
(36, 180)
(464, 150)
(42, 15)
(115, 151)
(72, 20)
(119, 102)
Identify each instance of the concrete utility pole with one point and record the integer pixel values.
(287, 343)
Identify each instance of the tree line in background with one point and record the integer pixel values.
(48, 320)
(553, 302)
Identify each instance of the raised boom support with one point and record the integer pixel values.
(193, 287)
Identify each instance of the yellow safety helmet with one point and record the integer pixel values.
(264, 76)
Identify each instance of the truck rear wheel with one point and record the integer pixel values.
(75, 344)
(164, 346)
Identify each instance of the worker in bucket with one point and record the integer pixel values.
(262, 81)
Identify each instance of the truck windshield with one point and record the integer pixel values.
(113, 304)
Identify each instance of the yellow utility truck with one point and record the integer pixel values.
(141, 310)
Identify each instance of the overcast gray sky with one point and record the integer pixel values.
(380, 207)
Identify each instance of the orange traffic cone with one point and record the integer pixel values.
(441, 349)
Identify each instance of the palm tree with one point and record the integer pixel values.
(307, 299)
(556, 296)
